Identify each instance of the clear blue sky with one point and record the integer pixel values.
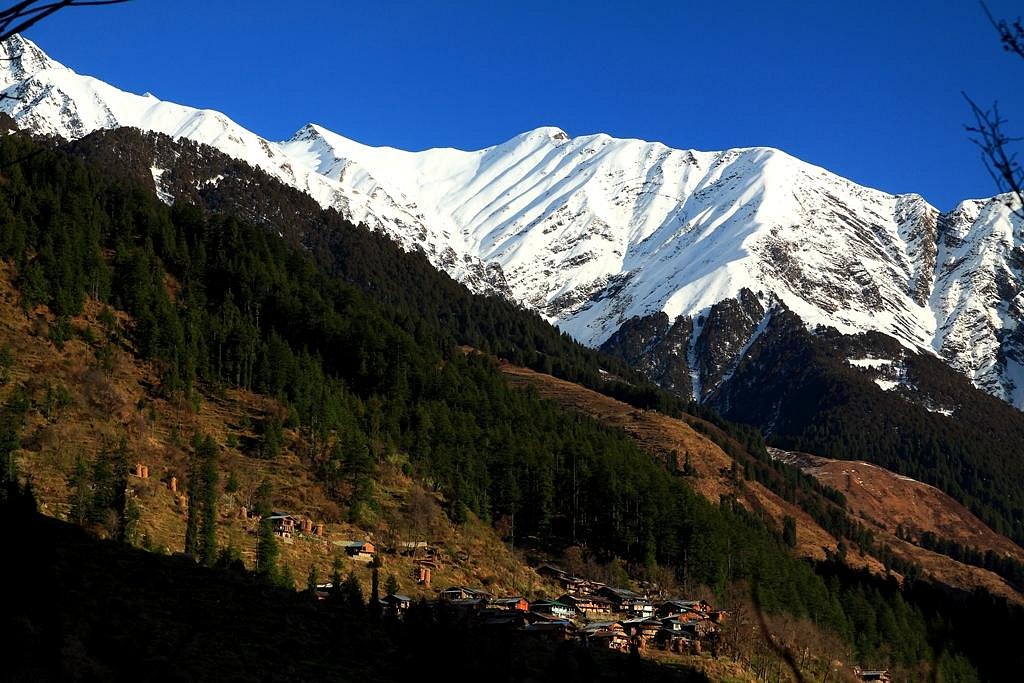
(870, 90)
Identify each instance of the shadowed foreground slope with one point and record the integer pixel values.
(84, 609)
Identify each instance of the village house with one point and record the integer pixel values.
(628, 602)
(324, 590)
(674, 641)
(284, 524)
(464, 593)
(502, 619)
(691, 624)
(670, 607)
(676, 622)
(605, 635)
(561, 629)
(590, 606)
(569, 583)
(361, 551)
(586, 587)
(468, 605)
(553, 608)
(516, 604)
(642, 629)
(881, 675)
(397, 603)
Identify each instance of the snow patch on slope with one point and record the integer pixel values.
(163, 195)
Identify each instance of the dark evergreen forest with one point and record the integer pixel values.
(800, 384)
(374, 369)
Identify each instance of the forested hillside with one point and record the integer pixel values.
(412, 290)
(801, 388)
(218, 301)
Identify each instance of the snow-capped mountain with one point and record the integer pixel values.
(593, 231)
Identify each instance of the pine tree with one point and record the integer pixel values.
(311, 581)
(336, 577)
(266, 551)
(285, 577)
(207, 452)
(789, 531)
(191, 525)
(263, 499)
(81, 496)
(353, 593)
(375, 607)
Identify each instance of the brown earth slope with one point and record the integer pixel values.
(671, 440)
(889, 500)
(884, 500)
(880, 491)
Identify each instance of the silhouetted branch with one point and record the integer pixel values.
(987, 131)
(784, 652)
(988, 135)
(27, 13)
(1011, 35)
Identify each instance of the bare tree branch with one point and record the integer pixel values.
(779, 649)
(1011, 35)
(1001, 163)
(987, 132)
(23, 15)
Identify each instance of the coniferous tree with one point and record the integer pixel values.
(789, 531)
(311, 581)
(374, 606)
(266, 551)
(336, 577)
(206, 452)
(192, 524)
(354, 594)
(263, 499)
(285, 578)
(81, 492)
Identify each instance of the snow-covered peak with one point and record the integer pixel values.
(593, 230)
(21, 58)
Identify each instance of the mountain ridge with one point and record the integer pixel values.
(593, 231)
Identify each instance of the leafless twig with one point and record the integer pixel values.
(1011, 34)
(23, 15)
(987, 131)
(995, 144)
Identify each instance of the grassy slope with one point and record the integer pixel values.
(106, 406)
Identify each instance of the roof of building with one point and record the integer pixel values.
(550, 625)
(598, 625)
(553, 603)
(684, 603)
(465, 589)
(468, 602)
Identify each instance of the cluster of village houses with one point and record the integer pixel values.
(593, 613)
(589, 611)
